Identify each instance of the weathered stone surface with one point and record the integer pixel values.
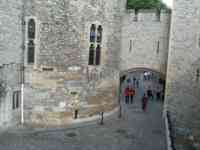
(182, 90)
(9, 74)
(140, 47)
(11, 31)
(62, 52)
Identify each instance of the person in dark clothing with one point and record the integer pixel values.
(144, 102)
(137, 83)
(158, 95)
(134, 81)
(126, 94)
(150, 93)
(131, 94)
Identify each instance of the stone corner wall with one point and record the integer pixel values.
(8, 115)
(182, 87)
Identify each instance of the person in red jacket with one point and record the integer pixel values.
(126, 94)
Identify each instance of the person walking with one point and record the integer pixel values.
(134, 81)
(137, 83)
(150, 93)
(126, 94)
(144, 102)
(131, 94)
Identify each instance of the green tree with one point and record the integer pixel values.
(145, 4)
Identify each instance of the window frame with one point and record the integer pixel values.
(35, 40)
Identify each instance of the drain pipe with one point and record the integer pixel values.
(22, 103)
(22, 62)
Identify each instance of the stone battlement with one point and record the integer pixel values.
(148, 15)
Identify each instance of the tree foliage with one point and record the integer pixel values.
(145, 4)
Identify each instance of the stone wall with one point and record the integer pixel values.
(145, 41)
(62, 52)
(8, 115)
(10, 57)
(10, 28)
(182, 90)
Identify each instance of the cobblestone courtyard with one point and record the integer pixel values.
(136, 130)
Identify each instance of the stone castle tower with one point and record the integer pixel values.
(183, 69)
(73, 47)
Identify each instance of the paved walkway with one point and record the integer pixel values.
(136, 130)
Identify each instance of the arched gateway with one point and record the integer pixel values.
(142, 81)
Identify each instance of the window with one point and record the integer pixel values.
(31, 52)
(158, 13)
(91, 55)
(98, 54)
(16, 99)
(130, 47)
(199, 42)
(136, 15)
(92, 33)
(99, 34)
(31, 34)
(197, 75)
(95, 39)
(31, 29)
(158, 47)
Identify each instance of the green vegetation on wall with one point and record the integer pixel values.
(145, 4)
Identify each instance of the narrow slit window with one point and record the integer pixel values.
(158, 47)
(31, 29)
(197, 75)
(158, 14)
(99, 34)
(98, 55)
(91, 55)
(31, 52)
(130, 47)
(136, 15)
(199, 42)
(16, 99)
(92, 33)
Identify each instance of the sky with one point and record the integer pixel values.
(168, 2)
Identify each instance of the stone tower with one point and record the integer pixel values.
(183, 71)
(72, 47)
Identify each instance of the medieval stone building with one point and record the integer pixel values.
(63, 48)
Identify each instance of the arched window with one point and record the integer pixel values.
(95, 40)
(31, 51)
(92, 33)
(99, 34)
(98, 54)
(31, 35)
(91, 55)
(31, 29)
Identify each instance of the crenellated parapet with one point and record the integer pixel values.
(145, 39)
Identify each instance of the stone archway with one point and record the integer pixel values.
(155, 81)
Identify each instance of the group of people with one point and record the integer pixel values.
(150, 93)
(129, 94)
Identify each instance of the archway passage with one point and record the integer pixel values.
(148, 122)
(142, 81)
